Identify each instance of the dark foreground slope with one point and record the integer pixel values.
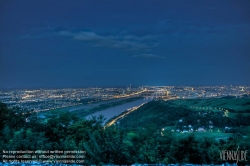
(143, 141)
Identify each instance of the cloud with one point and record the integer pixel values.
(115, 41)
(149, 56)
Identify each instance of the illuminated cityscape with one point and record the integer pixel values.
(142, 83)
(48, 99)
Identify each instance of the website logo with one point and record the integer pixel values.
(228, 155)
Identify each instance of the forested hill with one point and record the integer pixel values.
(190, 114)
(125, 143)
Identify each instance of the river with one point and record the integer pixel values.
(109, 112)
(114, 111)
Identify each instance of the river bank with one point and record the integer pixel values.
(114, 111)
(84, 110)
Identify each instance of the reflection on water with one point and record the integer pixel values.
(81, 106)
(111, 112)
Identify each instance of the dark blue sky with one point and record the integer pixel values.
(63, 43)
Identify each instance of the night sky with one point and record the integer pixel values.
(62, 43)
